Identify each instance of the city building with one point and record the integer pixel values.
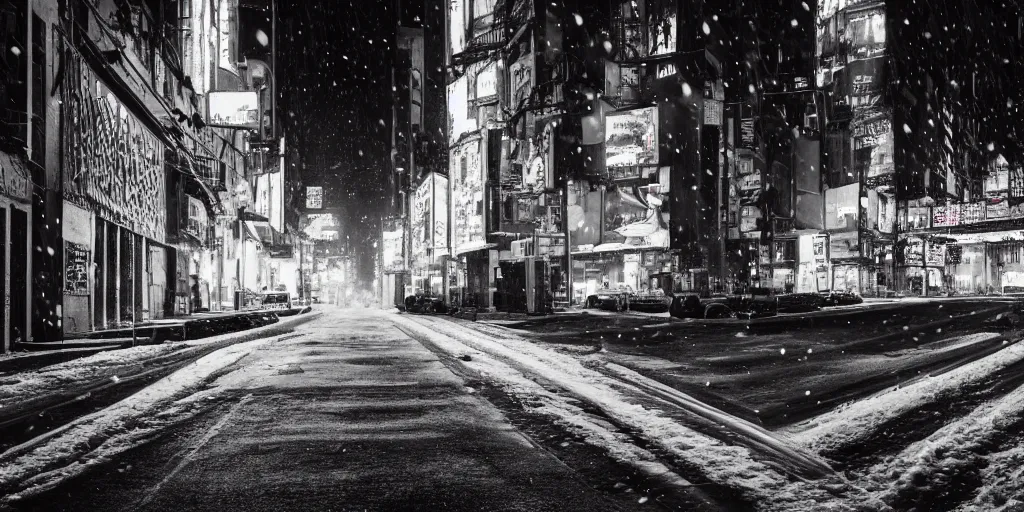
(126, 148)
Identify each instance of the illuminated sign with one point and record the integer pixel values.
(631, 137)
(234, 109)
(314, 198)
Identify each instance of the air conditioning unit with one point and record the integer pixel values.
(522, 248)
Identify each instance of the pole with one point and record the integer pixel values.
(569, 291)
(273, 69)
(132, 266)
(241, 264)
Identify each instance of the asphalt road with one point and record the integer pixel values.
(777, 373)
(353, 416)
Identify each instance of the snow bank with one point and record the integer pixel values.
(25, 386)
(853, 422)
(926, 466)
(46, 460)
(1003, 487)
(731, 466)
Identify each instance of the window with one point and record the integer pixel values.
(14, 70)
(39, 91)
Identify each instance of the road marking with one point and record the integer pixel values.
(189, 457)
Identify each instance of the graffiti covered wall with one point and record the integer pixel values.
(112, 164)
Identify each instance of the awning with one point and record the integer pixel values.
(473, 247)
(252, 232)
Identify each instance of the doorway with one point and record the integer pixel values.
(19, 277)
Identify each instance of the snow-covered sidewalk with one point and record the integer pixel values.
(43, 462)
(25, 387)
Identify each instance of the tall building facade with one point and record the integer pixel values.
(680, 145)
(122, 164)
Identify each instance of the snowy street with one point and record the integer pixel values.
(362, 409)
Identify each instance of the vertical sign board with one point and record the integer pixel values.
(440, 212)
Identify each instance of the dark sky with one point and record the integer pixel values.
(335, 74)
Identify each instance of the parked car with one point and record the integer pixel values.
(610, 299)
(841, 298)
(799, 302)
(275, 300)
(692, 305)
(425, 304)
(650, 302)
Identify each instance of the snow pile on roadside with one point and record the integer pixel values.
(857, 420)
(731, 466)
(24, 386)
(19, 387)
(46, 460)
(1003, 483)
(928, 466)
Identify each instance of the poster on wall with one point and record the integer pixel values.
(936, 254)
(631, 137)
(76, 269)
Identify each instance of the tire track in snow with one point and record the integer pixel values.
(724, 464)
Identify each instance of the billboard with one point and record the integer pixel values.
(234, 109)
(842, 208)
(584, 209)
(394, 246)
(467, 182)
(429, 219)
(631, 137)
(321, 226)
(314, 198)
(638, 214)
(420, 215)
